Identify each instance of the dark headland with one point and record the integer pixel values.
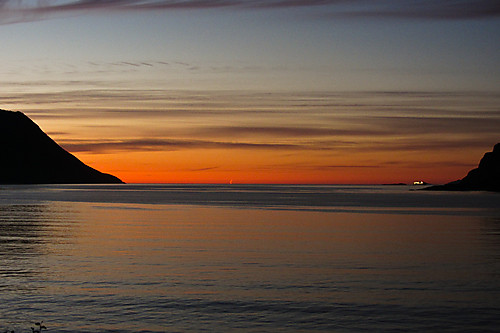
(29, 156)
(486, 177)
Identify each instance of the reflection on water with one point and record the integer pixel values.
(26, 233)
(128, 268)
(491, 240)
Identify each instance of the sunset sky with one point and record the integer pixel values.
(277, 91)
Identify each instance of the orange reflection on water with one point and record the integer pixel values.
(230, 252)
(132, 259)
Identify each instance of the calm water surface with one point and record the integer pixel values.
(192, 258)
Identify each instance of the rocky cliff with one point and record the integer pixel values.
(486, 177)
(29, 156)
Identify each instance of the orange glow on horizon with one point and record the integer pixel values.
(159, 168)
(287, 138)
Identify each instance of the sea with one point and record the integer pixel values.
(248, 258)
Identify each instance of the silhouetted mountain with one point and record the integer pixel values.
(29, 156)
(486, 177)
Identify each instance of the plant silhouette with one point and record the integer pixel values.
(40, 327)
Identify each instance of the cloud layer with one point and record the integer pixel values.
(15, 11)
(363, 134)
(287, 122)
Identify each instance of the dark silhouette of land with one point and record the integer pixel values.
(486, 177)
(29, 156)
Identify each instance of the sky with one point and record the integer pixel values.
(277, 91)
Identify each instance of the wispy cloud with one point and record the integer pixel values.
(166, 145)
(283, 131)
(424, 144)
(322, 123)
(414, 9)
(338, 146)
(15, 11)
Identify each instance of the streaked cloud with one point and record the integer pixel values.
(15, 11)
(437, 142)
(415, 9)
(283, 131)
(329, 124)
(166, 145)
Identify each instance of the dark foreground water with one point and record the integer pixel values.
(192, 258)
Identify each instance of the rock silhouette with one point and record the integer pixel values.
(486, 177)
(29, 156)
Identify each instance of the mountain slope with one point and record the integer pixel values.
(29, 156)
(486, 177)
